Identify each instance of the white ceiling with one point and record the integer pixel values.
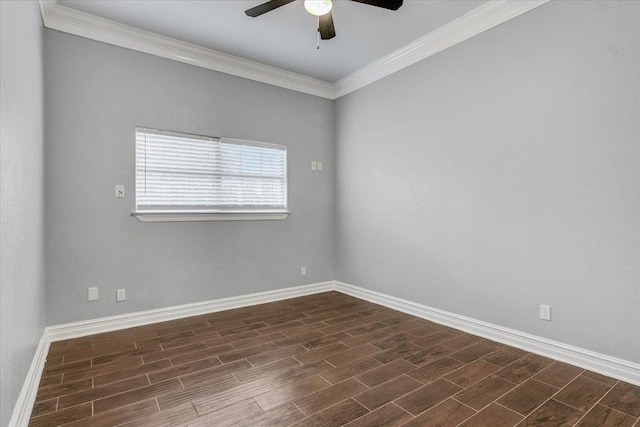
(286, 37)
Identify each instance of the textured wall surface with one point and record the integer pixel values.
(96, 95)
(22, 290)
(503, 173)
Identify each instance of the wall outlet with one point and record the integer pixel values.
(314, 166)
(545, 312)
(303, 271)
(92, 294)
(119, 191)
(120, 295)
(319, 166)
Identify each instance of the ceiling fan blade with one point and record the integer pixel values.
(386, 4)
(327, 30)
(266, 7)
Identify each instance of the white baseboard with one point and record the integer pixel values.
(114, 323)
(606, 365)
(27, 397)
(600, 363)
(24, 405)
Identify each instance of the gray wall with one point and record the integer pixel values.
(22, 290)
(504, 173)
(96, 95)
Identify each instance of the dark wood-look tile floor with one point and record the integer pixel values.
(321, 360)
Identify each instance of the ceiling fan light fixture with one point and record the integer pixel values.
(318, 7)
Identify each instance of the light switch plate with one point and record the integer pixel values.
(120, 295)
(119, 191)
(319, 166)
(314, 166)
(92, 294)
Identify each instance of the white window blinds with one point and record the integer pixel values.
(189, 173)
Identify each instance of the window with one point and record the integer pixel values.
(182, 177)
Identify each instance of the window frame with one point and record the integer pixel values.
(221, 214)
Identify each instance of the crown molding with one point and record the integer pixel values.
(62, 18)
(480, 19)
(485, 17)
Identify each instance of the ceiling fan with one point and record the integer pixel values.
(321, 9)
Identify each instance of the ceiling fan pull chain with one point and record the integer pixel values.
(318, 34)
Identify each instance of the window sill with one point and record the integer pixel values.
(208, 216)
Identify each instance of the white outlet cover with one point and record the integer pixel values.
(319, 166)
(314, 166)
(92, 294)
(120, 295)
(545, 312)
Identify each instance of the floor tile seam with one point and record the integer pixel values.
(602, 398)
(293, 403)
(456, 350)
(509, 381)
(602, 382)
(403, 410)
(331, 406)
(502, 346)
(269, 373)
(514, 425)
(452, 356)
(463, 404)
(433, 346)
(439, 403)
(423, 336)
(551, 397)
(272, 385)
(403, 374)
(325, 360)
(281, 330)
(511, 410)
(62, 409)
(466, 365)
(542, 382)
(589, 409)
(570, 382)
(64, 393)
(469, 417)
(554, 386)
(494, 400)
(514, 361)
(246, 358)
(117, 394)
(572, 407)
(419, 367)
(469, 385)
(409, 331)
(252, 397)
(475, 411)
(395, 400)
(454, 384)
(543, 403)
(368, 388)
(537, 407)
